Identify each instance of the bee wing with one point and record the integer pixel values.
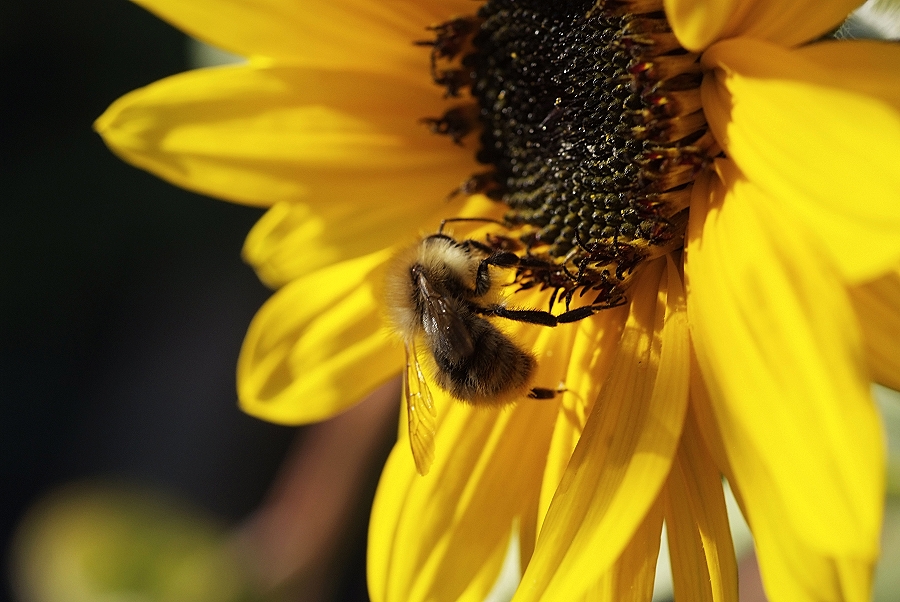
(443, 324)
(419, 411)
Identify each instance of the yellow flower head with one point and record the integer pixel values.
(684, 216)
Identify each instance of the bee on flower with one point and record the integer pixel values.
(706, 192)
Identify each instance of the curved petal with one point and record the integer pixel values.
(789, 23)
(354, 216)
(626, 450)
(777, 342)
(699, 23)
(261, 135)
(334, 34)
(878, 307)
(703, 563)
(443, 537)
(317, 346)
(791, 570)
(593, 349)
(631, 577)
(819, 130)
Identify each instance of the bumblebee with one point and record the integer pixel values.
(442, 292)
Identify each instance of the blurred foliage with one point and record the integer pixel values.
(99, 542)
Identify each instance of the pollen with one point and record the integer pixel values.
(587, 117)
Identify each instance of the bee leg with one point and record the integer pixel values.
(502, 259)
(541, 393)
(580, 313)
(531, 316)
(573, 315)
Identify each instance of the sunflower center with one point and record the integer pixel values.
(590, 120)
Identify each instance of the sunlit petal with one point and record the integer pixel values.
(791, 570)
(878, 306)
(301, 360)
(443, 537)
(349, 218)
(794, 571)
(609, 487)
(777, 341)
(261, 135)
(335, 34)
(700, 546)
(631, 577)
(593, 350)
(698, 23)
(819, 130)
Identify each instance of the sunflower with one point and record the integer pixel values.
(705, 194)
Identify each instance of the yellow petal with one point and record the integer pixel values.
(819, 130)
(698, 23)
(593, 349)
(702, 412)
(777, 341)
(352, 216)
(700, 546)
(791, 570)
(626, 449)
(335, 34)
(444, 536)
(317, 346)
(261, 135)
(631, 577)
(878, 307)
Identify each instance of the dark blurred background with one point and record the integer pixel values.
(124, 299)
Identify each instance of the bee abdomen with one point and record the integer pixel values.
(497, 372)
